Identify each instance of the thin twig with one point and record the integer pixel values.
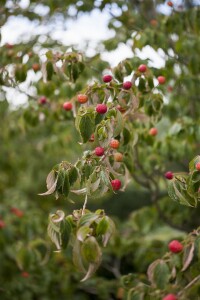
(85, 203)
(189, 285)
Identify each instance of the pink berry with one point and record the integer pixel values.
(170, 297)
(43, 100)
(99, 151)
(107, 78)
(82, 98)
(91, 139)
(36, 67)
(67, 106)
(127, 85)
(170, 88)
(25, 274)
(2, 224)
(198, 166)
(142, 68)
(161, 79)
(153, 131)
(169, 175)
(114, 144)
(175, 246)
(19, 213)
(116, 184)
(169, 3)
(154, 22)
(101, 108)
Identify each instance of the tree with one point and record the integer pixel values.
(118, 121)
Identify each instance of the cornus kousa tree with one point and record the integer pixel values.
(121, 145)
(104, 130)
(101, 168)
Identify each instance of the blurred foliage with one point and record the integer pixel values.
(39, 135)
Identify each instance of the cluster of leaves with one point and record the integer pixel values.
(174, 273)
(184, 188)
(139, 103)
(86, 231)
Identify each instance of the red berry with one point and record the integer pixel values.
(99, 151)
(91, 139)
(175, 246)
(142, 68)
(42, 100)
(161, 79)
(36, 67)
(19, 213)
(127, 85)
(116, 184)
(82, 98)
(154, 22)
(153, 131)
(170, 89)
(169, 3)
(67, 106)
(114, 144)
(197, 166)
(107, 78)
(25, 274)
(170, 297)
(118, 156)
(101, 108)
(121, 109)
(169, 175)
(2, 224)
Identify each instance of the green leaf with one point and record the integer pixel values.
(51, 182)
(92, 268)
(83, 232)
(188, 255)
(159, 274)
(65, 231)
(177, 192)
(49, 54)
(91, 251)
(81, 66)
(66, 186)
(150, 82)
(73, 175)
(141, 85)
(134, 295)
(24, 258)
(126, 135)
(53, 231)
(105, 178)
(77, 257)
(50, 70)
(118, 124)
(75, 72)
(118, 74)
(87, 219)
(86, 127)
(63, 186)
(192, 164)
(175, 129)
(195, 176)
(102, 226)
(109, 231)
(128, 67)
(197, 247)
